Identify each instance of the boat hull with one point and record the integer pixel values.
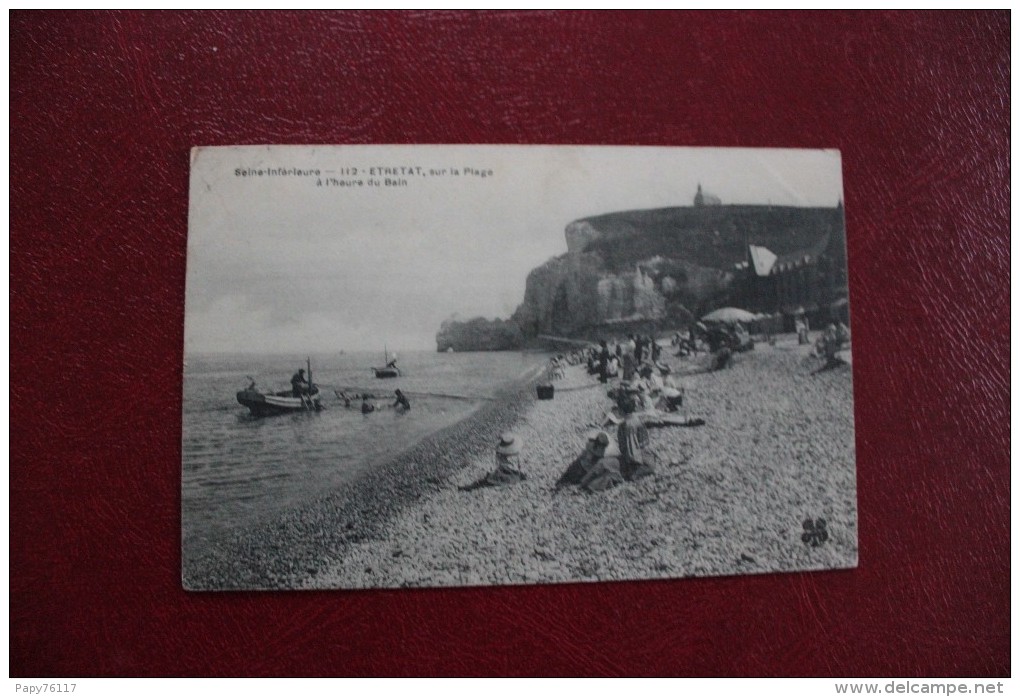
(275, 404)
(386, 372)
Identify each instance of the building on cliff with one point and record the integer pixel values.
(703, 198)
(660, 269)
(811, 279)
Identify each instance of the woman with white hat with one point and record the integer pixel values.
(508, 464)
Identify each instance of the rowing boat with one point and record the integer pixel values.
(286, 402)
(275, 403)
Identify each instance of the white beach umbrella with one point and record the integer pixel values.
(729, 314)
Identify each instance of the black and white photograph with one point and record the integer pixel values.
(420, 366)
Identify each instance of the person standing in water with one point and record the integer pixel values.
(402, 403)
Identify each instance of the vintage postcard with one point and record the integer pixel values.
(417, 366)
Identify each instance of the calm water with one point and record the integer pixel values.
(238, 470)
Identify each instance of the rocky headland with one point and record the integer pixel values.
(479, 334)
(649, 270)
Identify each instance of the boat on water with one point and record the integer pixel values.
(276, 403)
(390, 369)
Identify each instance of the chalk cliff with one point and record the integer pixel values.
(651, 269)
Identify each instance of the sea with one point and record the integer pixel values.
(239, 471)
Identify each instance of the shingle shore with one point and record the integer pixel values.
(299, 543)
(730, 497)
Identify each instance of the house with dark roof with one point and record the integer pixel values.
(811, 280)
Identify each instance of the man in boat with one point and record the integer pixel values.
(299, 384)
(393, 362)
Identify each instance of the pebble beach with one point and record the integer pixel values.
(729, 497)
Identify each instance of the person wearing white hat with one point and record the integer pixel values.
(508, 464)
(509, 446)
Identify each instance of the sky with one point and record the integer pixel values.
(314, 262)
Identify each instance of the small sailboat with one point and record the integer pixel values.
(390, 369)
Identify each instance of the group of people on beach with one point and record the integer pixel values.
(623, 357)
(603, 465)
(652, 389)
(609, 359)
(646, 395)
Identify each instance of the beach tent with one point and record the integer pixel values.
(763, 259)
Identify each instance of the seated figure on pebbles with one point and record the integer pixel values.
(637, 461)
(508, 464)
(597, 468)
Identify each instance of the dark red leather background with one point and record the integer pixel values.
(104, 108)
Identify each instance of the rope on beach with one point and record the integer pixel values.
(444, 395)
(410, 393)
